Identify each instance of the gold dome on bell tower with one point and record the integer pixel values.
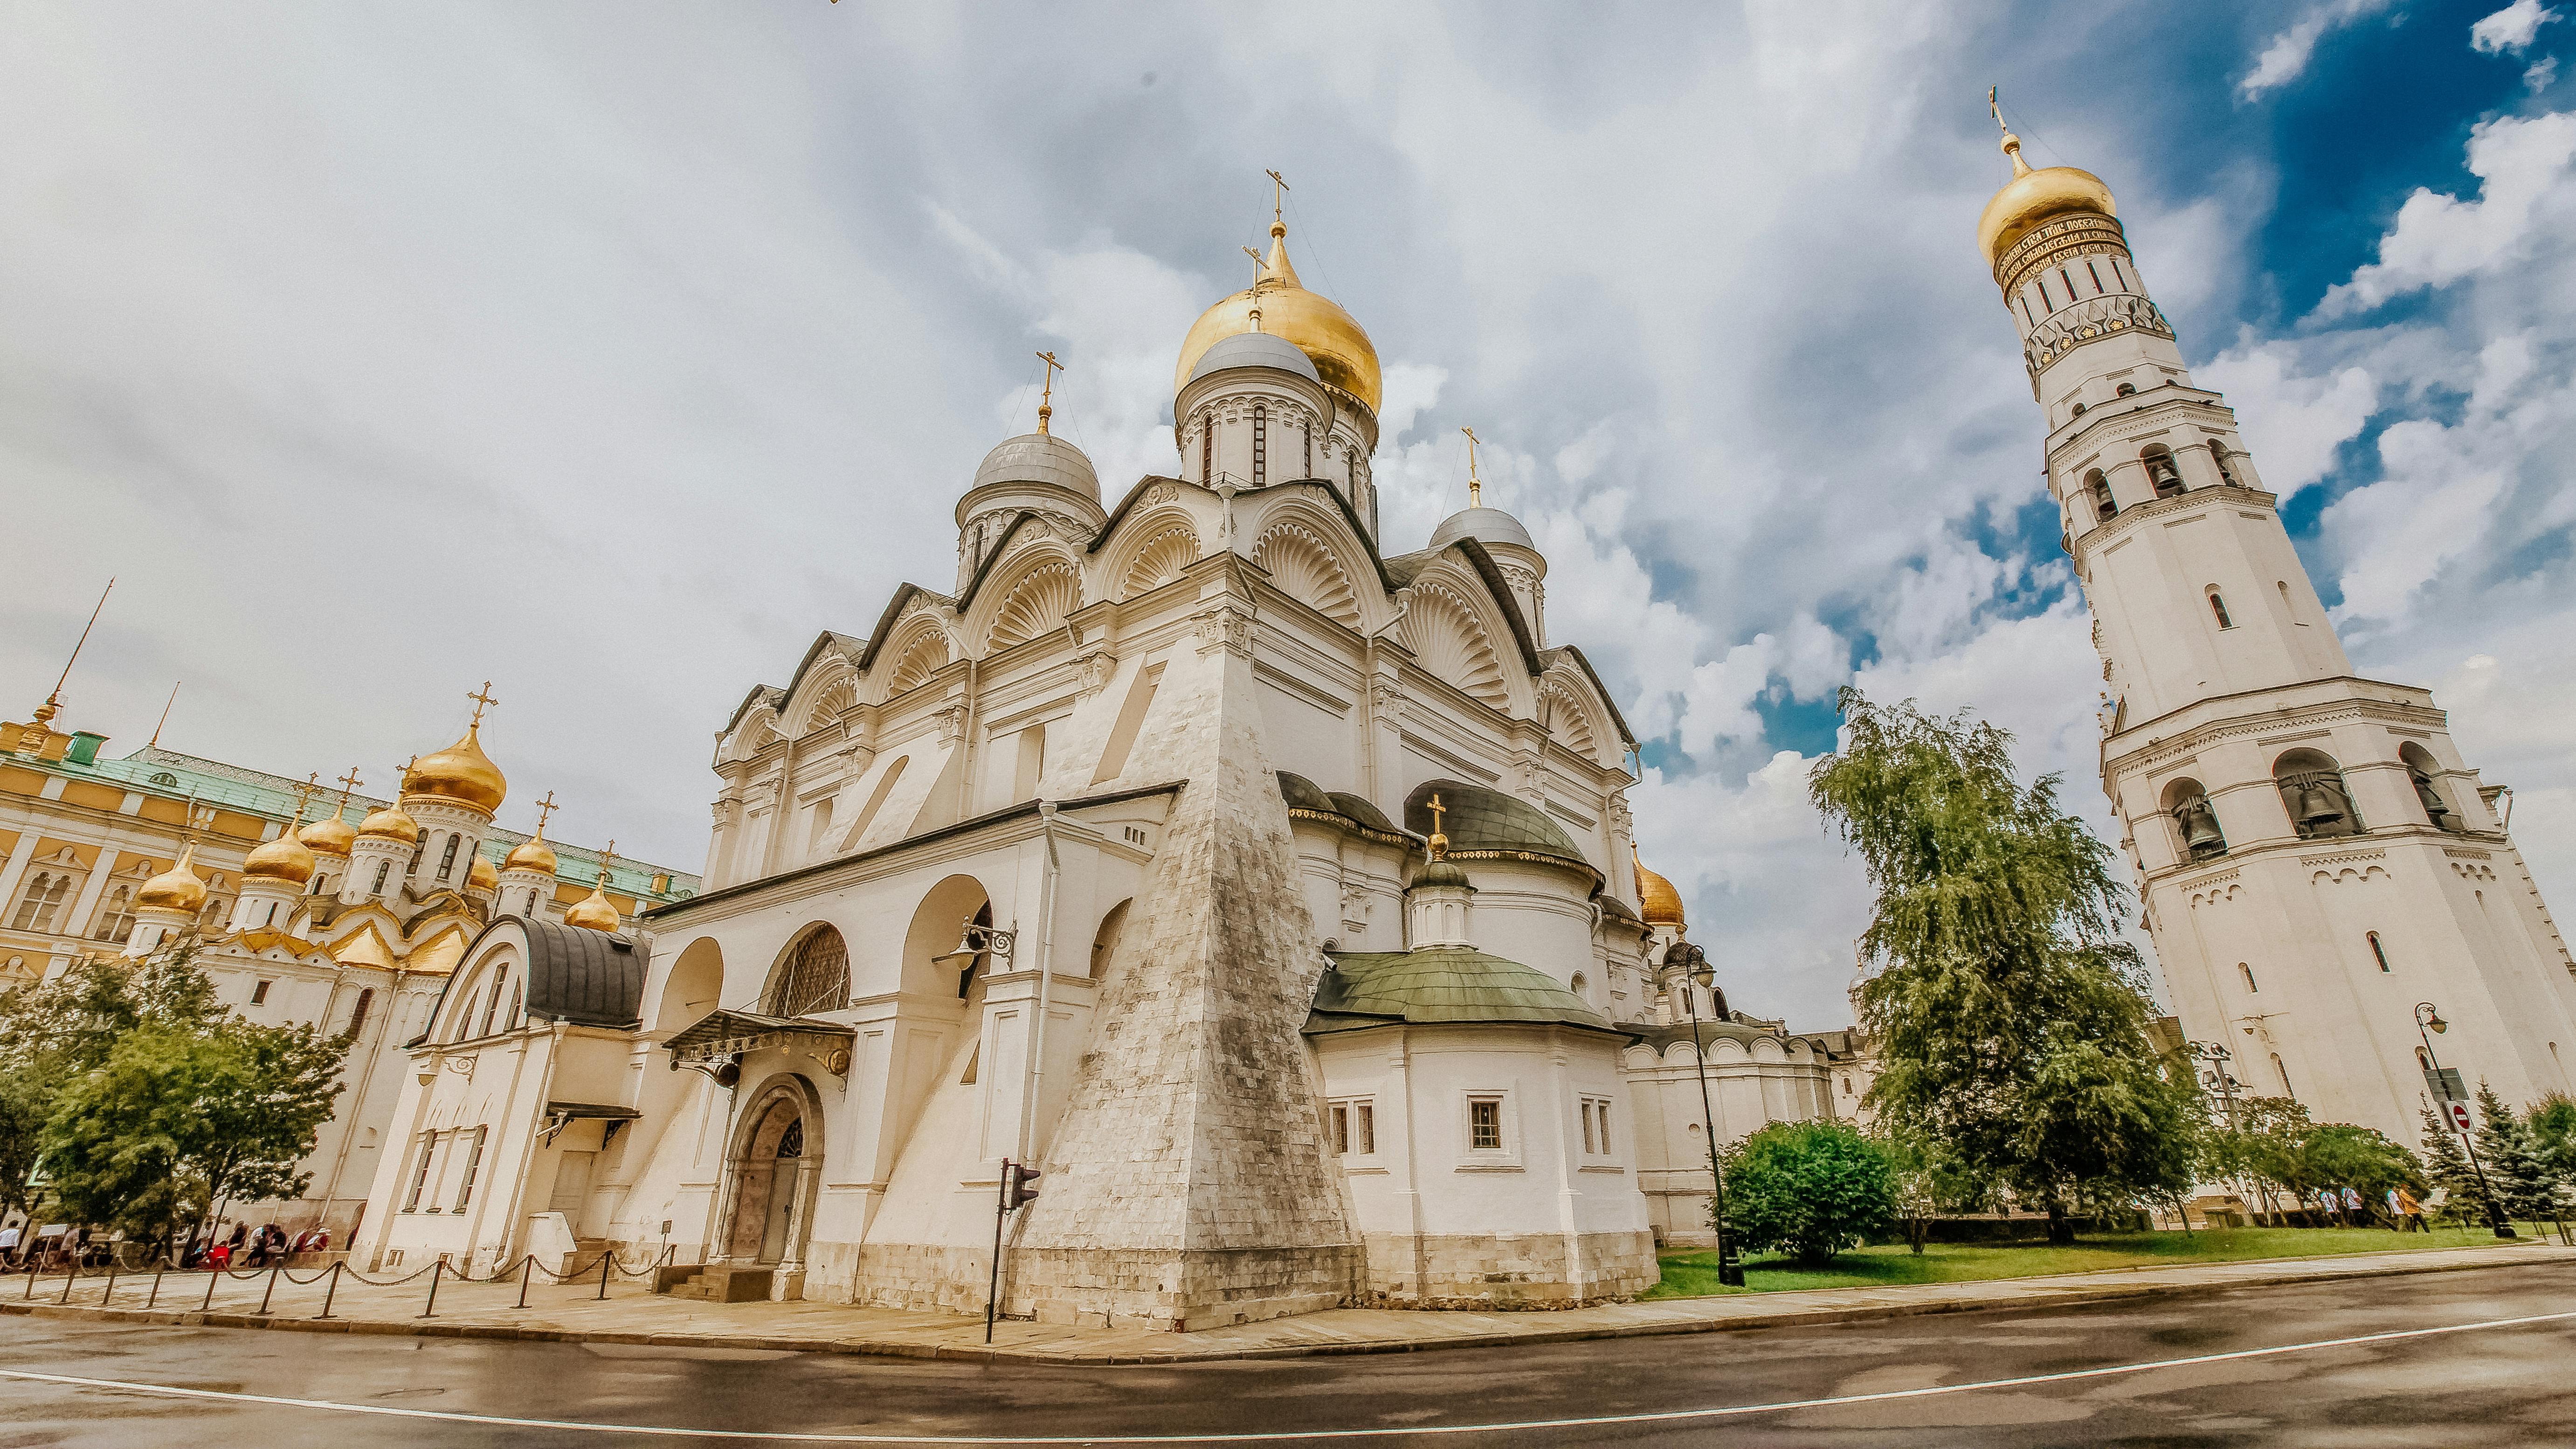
(2034, 198)
(1316, 325)
(461, 772)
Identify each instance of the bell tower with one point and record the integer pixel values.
(2314, 854)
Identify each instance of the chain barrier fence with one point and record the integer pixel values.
(602, 1270)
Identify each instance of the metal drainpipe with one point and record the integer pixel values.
(1046, 984)
(375, 1052)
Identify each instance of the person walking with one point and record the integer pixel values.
(2410, 1213)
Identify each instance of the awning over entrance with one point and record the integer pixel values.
(575, 1110)
(734, 1033)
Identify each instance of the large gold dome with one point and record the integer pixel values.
(593, 912)
(1657, 901)
(329, 835)
(1330, 337)
(532, 854)
(176, 889)
(2034, 198)
(391, 823)
(286, 858)
(461, 772)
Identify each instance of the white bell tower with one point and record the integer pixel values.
(2315, 856)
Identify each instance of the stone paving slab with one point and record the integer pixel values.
(632, 1314)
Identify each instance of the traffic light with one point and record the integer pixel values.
(1020, 1186)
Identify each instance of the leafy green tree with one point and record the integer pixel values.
(2010, 1019)
(1809, 1188)
(175, 1121)
(2552, 1122)
(2339, 1155)
(2447, 1168)
(2260, 1146)
(2516, 1172)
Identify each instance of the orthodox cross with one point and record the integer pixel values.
(1475, 489)
(1046, 403)
(1439, 842)
(1995, 110)
(1278, 198)
(545, 808)
(349, 782)
(1260, 271)
(605, 857)
(483, 700)
(304, 794)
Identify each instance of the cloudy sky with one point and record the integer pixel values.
(610, 352)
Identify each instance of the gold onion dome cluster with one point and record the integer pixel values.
(175, 889)
(1330, 337)
(1657, 901)
(593, 913)
(286, 858)
(390, 823)
(2032, 199)
(532, 854)
(461, 772)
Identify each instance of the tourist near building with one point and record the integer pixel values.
(2315, 854)
(1273, 891)
(312, 906)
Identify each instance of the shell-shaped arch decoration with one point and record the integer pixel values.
(836, 699)
(921, 656)
(1038, 602)
(1164, 555)
(1562, 715)
(1449, 641)
(1302, 565)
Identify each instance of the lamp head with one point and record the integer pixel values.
(2438, 1024)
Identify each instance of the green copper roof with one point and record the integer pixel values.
(1441, 985)
(1481, 821)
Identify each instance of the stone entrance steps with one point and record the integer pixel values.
(715, 1282)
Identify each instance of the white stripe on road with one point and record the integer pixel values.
(667, 1431)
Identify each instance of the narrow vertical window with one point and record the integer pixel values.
(492, 1008)
(1308, 433)
(419, 848)
(2045, 303)
(1591, 1146)
(259, 992)
(2218, 606)
(2121, 277)
(358, 1013)
(420, 1172)
(532, 905)
(473, 1162)
(1260, 445)
(447, 857)
(1485, 1124)
(2070, 283)
(2379, 953)
(2248, 972)
(1207, 451)
(1601, 1109)
(1341, 1131)
(382, 868)
(2098, 288)
(2286, 1089)
(1366, 1112)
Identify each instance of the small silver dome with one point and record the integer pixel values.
(1040, 458)
(1255, 349)
(1485, 525)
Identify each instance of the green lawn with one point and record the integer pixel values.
(1694, 1274)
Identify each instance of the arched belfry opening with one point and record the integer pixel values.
(813, 976)
(938, 923)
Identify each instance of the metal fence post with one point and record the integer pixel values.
(214, 1275)
(157, 1270)
(527, 1265)
(270, 1291)
(607, 1260)
(71, 1275)
(330, 1290)
(104, 1299)
(437, 1270)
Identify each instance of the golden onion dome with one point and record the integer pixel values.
(1330, 337)
(329, 835)
(480, 876)
(1657, 901)
(176, 889)
(286, 858)
(532, 854)
(390, 823)
(2034, 198)
(461, 772)
(593, 913)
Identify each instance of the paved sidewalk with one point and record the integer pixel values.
(632, 1314)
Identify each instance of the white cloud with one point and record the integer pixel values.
(2510, 30)
(2285, 59)
(2293, 425)
(2438, 239)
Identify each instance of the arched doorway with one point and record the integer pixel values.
(776, 1163)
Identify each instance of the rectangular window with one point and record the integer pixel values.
(1341, 1119)
(259, 993)
(1596, 1126)
(1364, 1118)
(473, 1161)
(1485, 1124)
(423, 1145)
(1591, 1145)
(1352, 1125)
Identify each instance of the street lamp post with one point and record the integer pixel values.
(2219, 1058)
(2427, 1016)
(1690, 963)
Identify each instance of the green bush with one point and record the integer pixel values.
(1810, 1189)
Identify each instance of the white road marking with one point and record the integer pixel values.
(664, 1431)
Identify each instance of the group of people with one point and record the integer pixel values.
(248, 1248)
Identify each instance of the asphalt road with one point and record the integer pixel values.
(2505, 1384)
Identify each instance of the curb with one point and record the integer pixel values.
(1820, 1317)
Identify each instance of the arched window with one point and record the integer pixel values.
(358, 1013)
(2127, 389)
(1847, 1091)
(44, 895)
(2161, 471)
(271, 918)
(1260, 445)
(2379, 953)
(2218, 606)
(492, 1001)
(1104, 942)
(447, 857)
(2218, 455)
(419, 848)
(815, 976)
(2421, 770)
(1207, 449)
(116, 917)
(1308, 433)
(532, 904)
(383, 868)
(1579, 986)
(2286, 1089)
(2248, 973)
(2194, 820)
(2312, 789)
(2098, 488)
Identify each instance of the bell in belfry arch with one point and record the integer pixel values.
(2434, 809)
(2200, 829)
(2318, 809)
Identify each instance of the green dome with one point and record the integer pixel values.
(1489, 824)
(1442, 985)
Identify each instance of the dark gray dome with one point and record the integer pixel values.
(1255, 349)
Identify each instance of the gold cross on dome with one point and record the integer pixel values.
(1995, 110)
(348, 783)
(1475, 488)
(605, 858)
(546, 809)
(1439, 842)
(483, 700)
(1278, 198)
(304, 794)
(1046, 403)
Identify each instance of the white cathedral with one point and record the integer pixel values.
(1275, 895)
